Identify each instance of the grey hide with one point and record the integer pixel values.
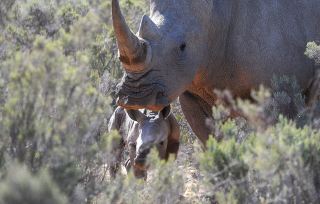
(188, 48)
(139, 133)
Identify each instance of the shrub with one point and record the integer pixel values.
(52, 114)
(20, 186)
(275, 161)
(165, 184)
(313, 52)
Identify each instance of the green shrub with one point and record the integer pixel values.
(313, 52)
(52, 114)
(20, 186)
(165, 184)
(275, 160)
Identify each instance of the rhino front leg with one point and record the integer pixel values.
(173, 139)
(172, 148)
(196, 111)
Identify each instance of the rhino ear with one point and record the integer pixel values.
(136, 115)
(148, 29)
(166, 112)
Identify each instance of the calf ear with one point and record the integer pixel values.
(166, 111)
(136, 115)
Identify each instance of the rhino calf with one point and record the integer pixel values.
(139, 133)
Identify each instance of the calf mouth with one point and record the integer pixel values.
(140, 169)
(140, 174)
(143, 91)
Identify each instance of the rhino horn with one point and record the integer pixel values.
(133, 51)
(148, 29)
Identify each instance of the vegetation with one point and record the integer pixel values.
(58, 72)
(265, 159)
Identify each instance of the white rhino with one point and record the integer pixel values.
(188, 48)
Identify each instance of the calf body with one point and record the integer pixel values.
(139, 133)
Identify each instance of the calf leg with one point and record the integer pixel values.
(115, 161)
(196, 111)
(132, 155)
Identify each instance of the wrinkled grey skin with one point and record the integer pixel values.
(188, 48)
(139, 133)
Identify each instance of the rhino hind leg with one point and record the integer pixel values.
(197, 112)
(173, 138)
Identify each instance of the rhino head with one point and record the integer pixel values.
(154, 130)
(164, 57)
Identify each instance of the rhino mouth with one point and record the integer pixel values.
(142, 91)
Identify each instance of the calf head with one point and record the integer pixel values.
(154, 130)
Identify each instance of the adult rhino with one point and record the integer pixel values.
(188, 48)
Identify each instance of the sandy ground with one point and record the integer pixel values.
(194, 191)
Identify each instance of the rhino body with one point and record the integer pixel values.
(139, 133)
(188, 48)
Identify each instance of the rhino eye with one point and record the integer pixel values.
(183, 46)
(161, 143)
